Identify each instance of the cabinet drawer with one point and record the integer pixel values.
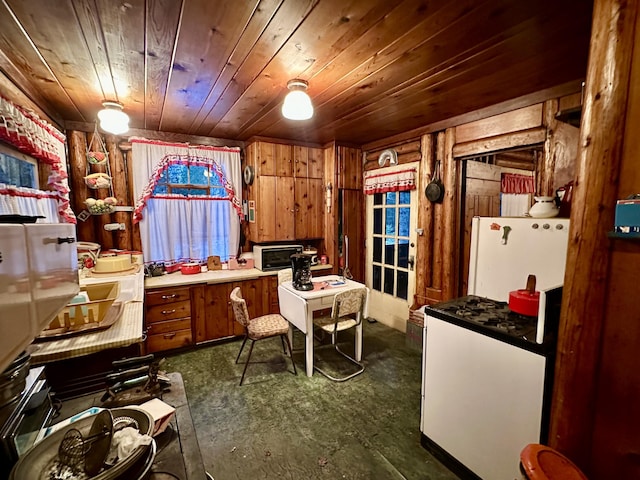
(168, 341)
(161, 297)
(168, 326)
(170, 311)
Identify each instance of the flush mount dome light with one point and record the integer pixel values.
(297, 104)
(113, 119)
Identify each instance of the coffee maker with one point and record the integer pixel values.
(301, 267)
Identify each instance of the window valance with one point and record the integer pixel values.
(398, 181)
(516, 183)
(154, 157)
(33, 136)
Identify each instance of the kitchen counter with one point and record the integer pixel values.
(127, 330)
(216, 276)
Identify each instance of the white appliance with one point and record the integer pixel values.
(505, 250)
(487, 373)
(274, 257)
(38, 277)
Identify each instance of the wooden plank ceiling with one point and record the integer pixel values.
(375, 68)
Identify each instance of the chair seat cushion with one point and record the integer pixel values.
(326, 323)
(267, 326)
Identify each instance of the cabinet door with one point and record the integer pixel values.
(275, 209)
(217, 319)
(315, 163)
(309, 208)
(308, 162)
(274, 159)
(266, 209)
(216, 313)
(284, 209)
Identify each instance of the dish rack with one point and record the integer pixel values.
(88, 316)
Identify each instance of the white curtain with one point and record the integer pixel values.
(516, 191)
(178, 228)
(514, 204)
(30, 202)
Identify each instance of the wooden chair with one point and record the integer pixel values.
(347, 312)
(259, 328)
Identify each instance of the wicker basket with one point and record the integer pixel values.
(97, 158)
(97, 180)
(100, 207)
(85, 315)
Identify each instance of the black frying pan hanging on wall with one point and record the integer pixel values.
(435, 189)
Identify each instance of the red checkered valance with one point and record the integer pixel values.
(515, 183)
(398, 181)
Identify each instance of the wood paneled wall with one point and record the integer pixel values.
(92, 229)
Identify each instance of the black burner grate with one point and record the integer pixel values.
(491, 314)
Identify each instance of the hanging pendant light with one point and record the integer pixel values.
(113, 119)
(297, 104)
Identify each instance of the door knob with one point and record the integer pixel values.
(411, 261)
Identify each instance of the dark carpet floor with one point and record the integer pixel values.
(281, 426)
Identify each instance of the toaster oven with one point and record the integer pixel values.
(274, 257)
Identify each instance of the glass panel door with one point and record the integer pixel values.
(391, 222)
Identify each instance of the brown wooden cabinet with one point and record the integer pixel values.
(309, 208)
(349, 168)
(288, 192)
(275, 209)
(213, 316)
(308, 162)
(167, 319)
(271, 158)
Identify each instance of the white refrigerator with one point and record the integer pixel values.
(486, 397)
(506, 250)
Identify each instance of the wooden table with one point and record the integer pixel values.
(297, 307)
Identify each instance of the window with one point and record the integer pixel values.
(188, 200)
(18, 172)
(190, 180)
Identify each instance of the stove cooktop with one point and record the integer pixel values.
(490, 314)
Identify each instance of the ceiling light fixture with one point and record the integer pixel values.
(113, 119)
(297, 104)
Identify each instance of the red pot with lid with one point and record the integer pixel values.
(190, 268)
(525, 301)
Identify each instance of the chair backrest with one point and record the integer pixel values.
(239, 306)
(349, 303)
(285, 275)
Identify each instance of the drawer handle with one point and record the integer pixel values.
(168, 336)
(167, 297)
(168, 312)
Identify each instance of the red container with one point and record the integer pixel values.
(525, 301)
(190, 268)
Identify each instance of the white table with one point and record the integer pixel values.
(297, 307)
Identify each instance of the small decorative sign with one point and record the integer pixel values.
(252, 211)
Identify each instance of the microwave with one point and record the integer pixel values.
(274, 257)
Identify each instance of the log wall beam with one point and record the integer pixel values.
(595, 193)
(506, 141)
